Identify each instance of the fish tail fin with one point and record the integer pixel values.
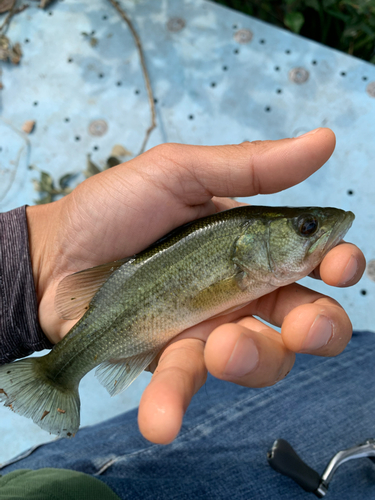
(27, 390)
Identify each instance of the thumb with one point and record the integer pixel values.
(245, 169)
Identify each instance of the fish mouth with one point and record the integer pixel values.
(339, 230)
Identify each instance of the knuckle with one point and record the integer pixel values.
(168, 151)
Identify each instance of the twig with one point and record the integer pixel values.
(13, 11)
(8, 16)
(44, 3)
(21, 8)
(144, 70)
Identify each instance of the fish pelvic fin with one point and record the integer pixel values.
(117, 375)
(26, 389)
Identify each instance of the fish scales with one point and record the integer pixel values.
(144, 314)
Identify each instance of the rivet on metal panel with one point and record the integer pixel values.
(371, 89)
(243, 36)
(98, 127)
(299, 75)
(176, 24)
(370, 269)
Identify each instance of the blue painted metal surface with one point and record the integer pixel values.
(219, 77)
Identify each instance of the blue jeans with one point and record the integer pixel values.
(323, 406)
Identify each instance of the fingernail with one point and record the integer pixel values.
(244, 358)
(319, 334)
(350, 271)
(308, 133)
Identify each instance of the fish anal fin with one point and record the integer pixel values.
(117, 375)
(75, 292)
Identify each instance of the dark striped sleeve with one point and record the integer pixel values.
(20, 332)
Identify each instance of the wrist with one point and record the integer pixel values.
(40, 224)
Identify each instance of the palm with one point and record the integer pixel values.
(102, 223)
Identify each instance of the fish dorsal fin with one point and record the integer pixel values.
(117, 375)
(76, 291)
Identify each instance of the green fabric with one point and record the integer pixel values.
(53, 484)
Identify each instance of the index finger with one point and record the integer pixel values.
(343, 266)
(180, 372)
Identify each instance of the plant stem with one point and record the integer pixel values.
(137, 41)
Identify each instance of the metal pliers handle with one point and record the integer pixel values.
(285, 460)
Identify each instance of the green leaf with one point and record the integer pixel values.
(91, 168)
(339, 15)
(46, 182)
(112, 161)
(65, 180)
(44, 200)
(294, 21)
(328, 3)
(313, 4)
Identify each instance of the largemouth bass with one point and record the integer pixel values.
(134, 307)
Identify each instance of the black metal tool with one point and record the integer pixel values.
(285, 460)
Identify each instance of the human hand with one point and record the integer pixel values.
(122, 210)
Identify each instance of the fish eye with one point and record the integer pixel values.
(307, 225)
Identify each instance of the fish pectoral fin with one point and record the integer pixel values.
(116, 376)
(76, 291)
(219, 291)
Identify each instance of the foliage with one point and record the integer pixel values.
(49, 192)
(346, 25)
(47, 189)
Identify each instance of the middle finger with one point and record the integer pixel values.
(248, 353)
